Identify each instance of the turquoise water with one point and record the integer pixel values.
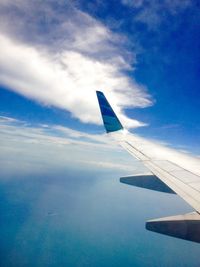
(86, 218)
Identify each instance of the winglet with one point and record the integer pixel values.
(110, 120)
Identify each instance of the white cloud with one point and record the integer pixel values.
(153, 12)
(6, 119)
(133, 3)
(60, 57)
(26, 150)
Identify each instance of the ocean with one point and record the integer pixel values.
(81, 217)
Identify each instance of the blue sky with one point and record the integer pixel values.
(143, 54)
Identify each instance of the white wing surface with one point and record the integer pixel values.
(179, 171)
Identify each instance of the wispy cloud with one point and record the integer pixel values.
(39, 149)
(58, 55)
(153, 13)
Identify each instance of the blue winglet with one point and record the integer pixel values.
(110, 120)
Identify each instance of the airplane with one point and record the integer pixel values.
(171, 172)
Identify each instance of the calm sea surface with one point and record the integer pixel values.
(86, 218)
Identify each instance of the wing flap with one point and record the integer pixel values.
(187, 192)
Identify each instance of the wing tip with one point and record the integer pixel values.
(110, 120)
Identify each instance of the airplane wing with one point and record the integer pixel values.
(179, 172)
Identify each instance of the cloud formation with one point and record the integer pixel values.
(59, 56)
(152, 13)
(40, 149)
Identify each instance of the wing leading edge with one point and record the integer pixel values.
(178, 171)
